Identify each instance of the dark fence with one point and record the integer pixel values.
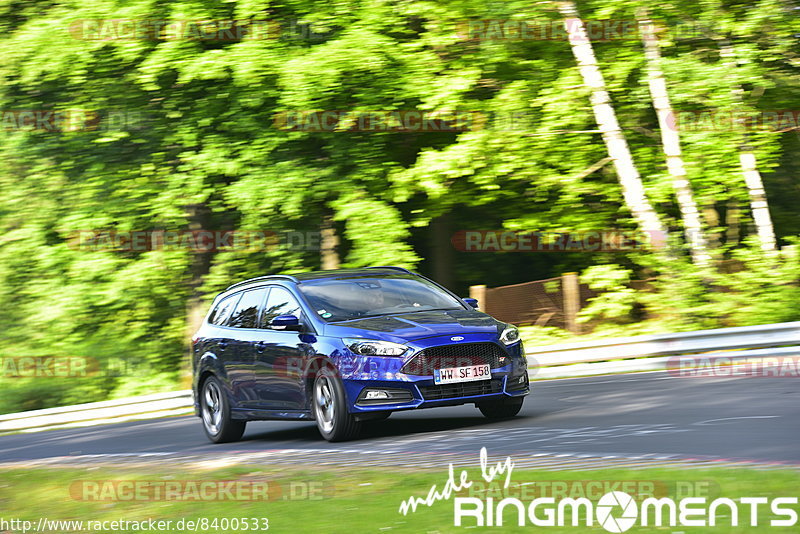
(550, 302)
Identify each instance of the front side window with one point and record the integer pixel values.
(279, 302)
(245, 315)
(350, 298)
(222, 311)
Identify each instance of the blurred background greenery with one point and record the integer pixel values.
(185, 135)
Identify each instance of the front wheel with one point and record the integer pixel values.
(334, 421)
(501, 409)
(215, 411)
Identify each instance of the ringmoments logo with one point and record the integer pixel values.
(618, 511)
(605, 511)
(615, 511)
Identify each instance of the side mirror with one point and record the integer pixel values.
(472, 302)
(285, 322)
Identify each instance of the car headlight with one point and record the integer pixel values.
(374, 347)
(510, 335)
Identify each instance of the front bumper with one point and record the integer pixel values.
(406, 391)
(425, 394)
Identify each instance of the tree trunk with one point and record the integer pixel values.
(442, 251)
(198, 217)
(328, 241)
(632, 186)
(758, 197)
(732, 223)
(571, 290)
(711, 216)
(747, 161)
(671, 143)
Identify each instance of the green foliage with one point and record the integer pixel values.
(376, 230)
(764, 288)
(753, 287)
(615, 300)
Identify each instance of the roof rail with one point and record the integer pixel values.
(403, 269)
(260, 278)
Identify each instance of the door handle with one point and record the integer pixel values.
(261, 345)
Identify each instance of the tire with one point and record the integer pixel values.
(334, 421)
(215, 412)
(502, 409)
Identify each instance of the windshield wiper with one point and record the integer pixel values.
(417, 310)
(371, 315)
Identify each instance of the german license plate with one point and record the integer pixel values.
(469, 373)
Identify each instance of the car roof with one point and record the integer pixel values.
(321, 275)
(349, 273)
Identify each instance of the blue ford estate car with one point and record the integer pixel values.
(348, 346)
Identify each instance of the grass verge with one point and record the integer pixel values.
(334, 500)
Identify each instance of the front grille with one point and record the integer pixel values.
(461, 389)
(456, 355)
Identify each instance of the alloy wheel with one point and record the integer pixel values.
(212, 407)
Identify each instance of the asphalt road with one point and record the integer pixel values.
(645, 414)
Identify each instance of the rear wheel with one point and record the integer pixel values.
(215, 411)
(501, 409)
(334, 421)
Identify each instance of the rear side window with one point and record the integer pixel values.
(223, 310)
(245, 315)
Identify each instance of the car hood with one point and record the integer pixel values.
(404, 327)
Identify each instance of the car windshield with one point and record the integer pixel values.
(341, 299)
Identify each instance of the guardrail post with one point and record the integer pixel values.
(479, 293)
(572, 301)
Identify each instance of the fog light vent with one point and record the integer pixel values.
(517, 383)
(384, 396)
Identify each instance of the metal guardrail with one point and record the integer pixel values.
(605, 356)
(697, 342)
(95, 413)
